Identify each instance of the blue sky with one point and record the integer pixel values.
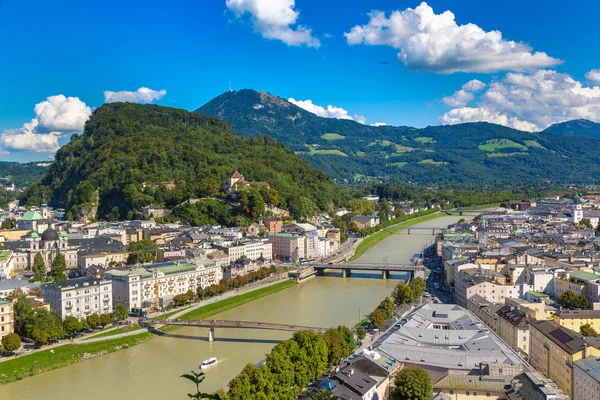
(193, 49)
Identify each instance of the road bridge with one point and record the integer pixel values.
(385, 268)
(424, 231)
(212, 324)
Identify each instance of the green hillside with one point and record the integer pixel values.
(577, 127)
(128, 154)
(22, 174)
(472, 154)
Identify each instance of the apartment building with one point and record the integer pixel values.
(554, 349)
(488, 284)
(289, 246)
(586, 372)
(155, 285)
(513, 328)
(7, 318)
(79, 297)
(574, 319)
(252, 249)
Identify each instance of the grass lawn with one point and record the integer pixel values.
(534, 143)
(377, 237)
(506, 154)
(430, 161)
(332, 136)
(496, 144)
(118, 331)
(332, 152)
(424, 139)
(232, 302)
(33, 364)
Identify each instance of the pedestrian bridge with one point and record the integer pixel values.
(385, 268)
(418, 230)
(212, 324)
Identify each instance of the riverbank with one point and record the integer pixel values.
(208, 310)
(377, 237)
(47, 360)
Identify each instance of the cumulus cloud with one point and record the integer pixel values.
(436, 43)
(361, 119)
(593, 75)
(275, 20)
(465, 95)
(325, 112)
(531, 102)
(142, 95)
(27, 139)
(55, 116)
(61, 113)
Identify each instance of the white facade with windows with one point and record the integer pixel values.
(79, 297)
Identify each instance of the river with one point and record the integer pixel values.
(150, 371)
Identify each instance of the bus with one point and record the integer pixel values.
(138, 312)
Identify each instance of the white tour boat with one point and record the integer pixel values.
(206, 364)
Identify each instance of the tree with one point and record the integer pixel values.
(378, 318)
(22, 310)
(412, 383)
(418, 286)
(572, 301)
(120, 313)
(142, 251)
(385, 210)
(361, 207)
(39, 268)
(39, 337)
(461, 221)
(361, 332)
(387, 306)
(105, 319)
(72, 326)
(403, 293)
(587, 330)
(8, 223)
(586, 223)
(11, 342)
(93, 320)
(58, 268)
(181, 299)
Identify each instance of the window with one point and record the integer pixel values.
(452, 392)
(488, 394)
(468, 393)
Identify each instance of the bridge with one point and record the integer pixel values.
(212, 324)
(385, 269)
(425, 231)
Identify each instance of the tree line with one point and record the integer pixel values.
(403, 293)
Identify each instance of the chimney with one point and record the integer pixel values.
(350, 371)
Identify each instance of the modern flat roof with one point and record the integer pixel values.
(591, 366)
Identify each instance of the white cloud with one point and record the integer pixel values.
(55, 116)
(61, 113)
(329, 112)
(26, 139)
(465, 95)
(142, 95)
(531, 102)
(275, 20)
(593, 75)
(361, 119)
(436, 43)
(379, 124)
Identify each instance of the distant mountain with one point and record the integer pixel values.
(474, 153)
(132, 155)
(577, 127)
(22, 174)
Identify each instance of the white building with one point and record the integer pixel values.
(252, 249)
(79, 297)
(155, 285)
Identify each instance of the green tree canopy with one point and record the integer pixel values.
(72, 326)
(387, 306)
(142, 251)
(403, 293)
(587, 330)
(361, 207)
(58, 268)
(121, 313)
(11, 342)
(378, 318)
(573, 301)
(361, 332)
(412, 383)
(39, 268)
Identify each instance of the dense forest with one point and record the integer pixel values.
(467, 154)
(131, 155)
(22, 174)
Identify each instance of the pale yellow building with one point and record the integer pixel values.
(574, 319)
(554, 349)
(7, 318)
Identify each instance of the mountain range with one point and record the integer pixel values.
(472, 153)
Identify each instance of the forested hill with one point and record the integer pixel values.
(21, 174)
(578, 127)
(128, 154)
(474, 154)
